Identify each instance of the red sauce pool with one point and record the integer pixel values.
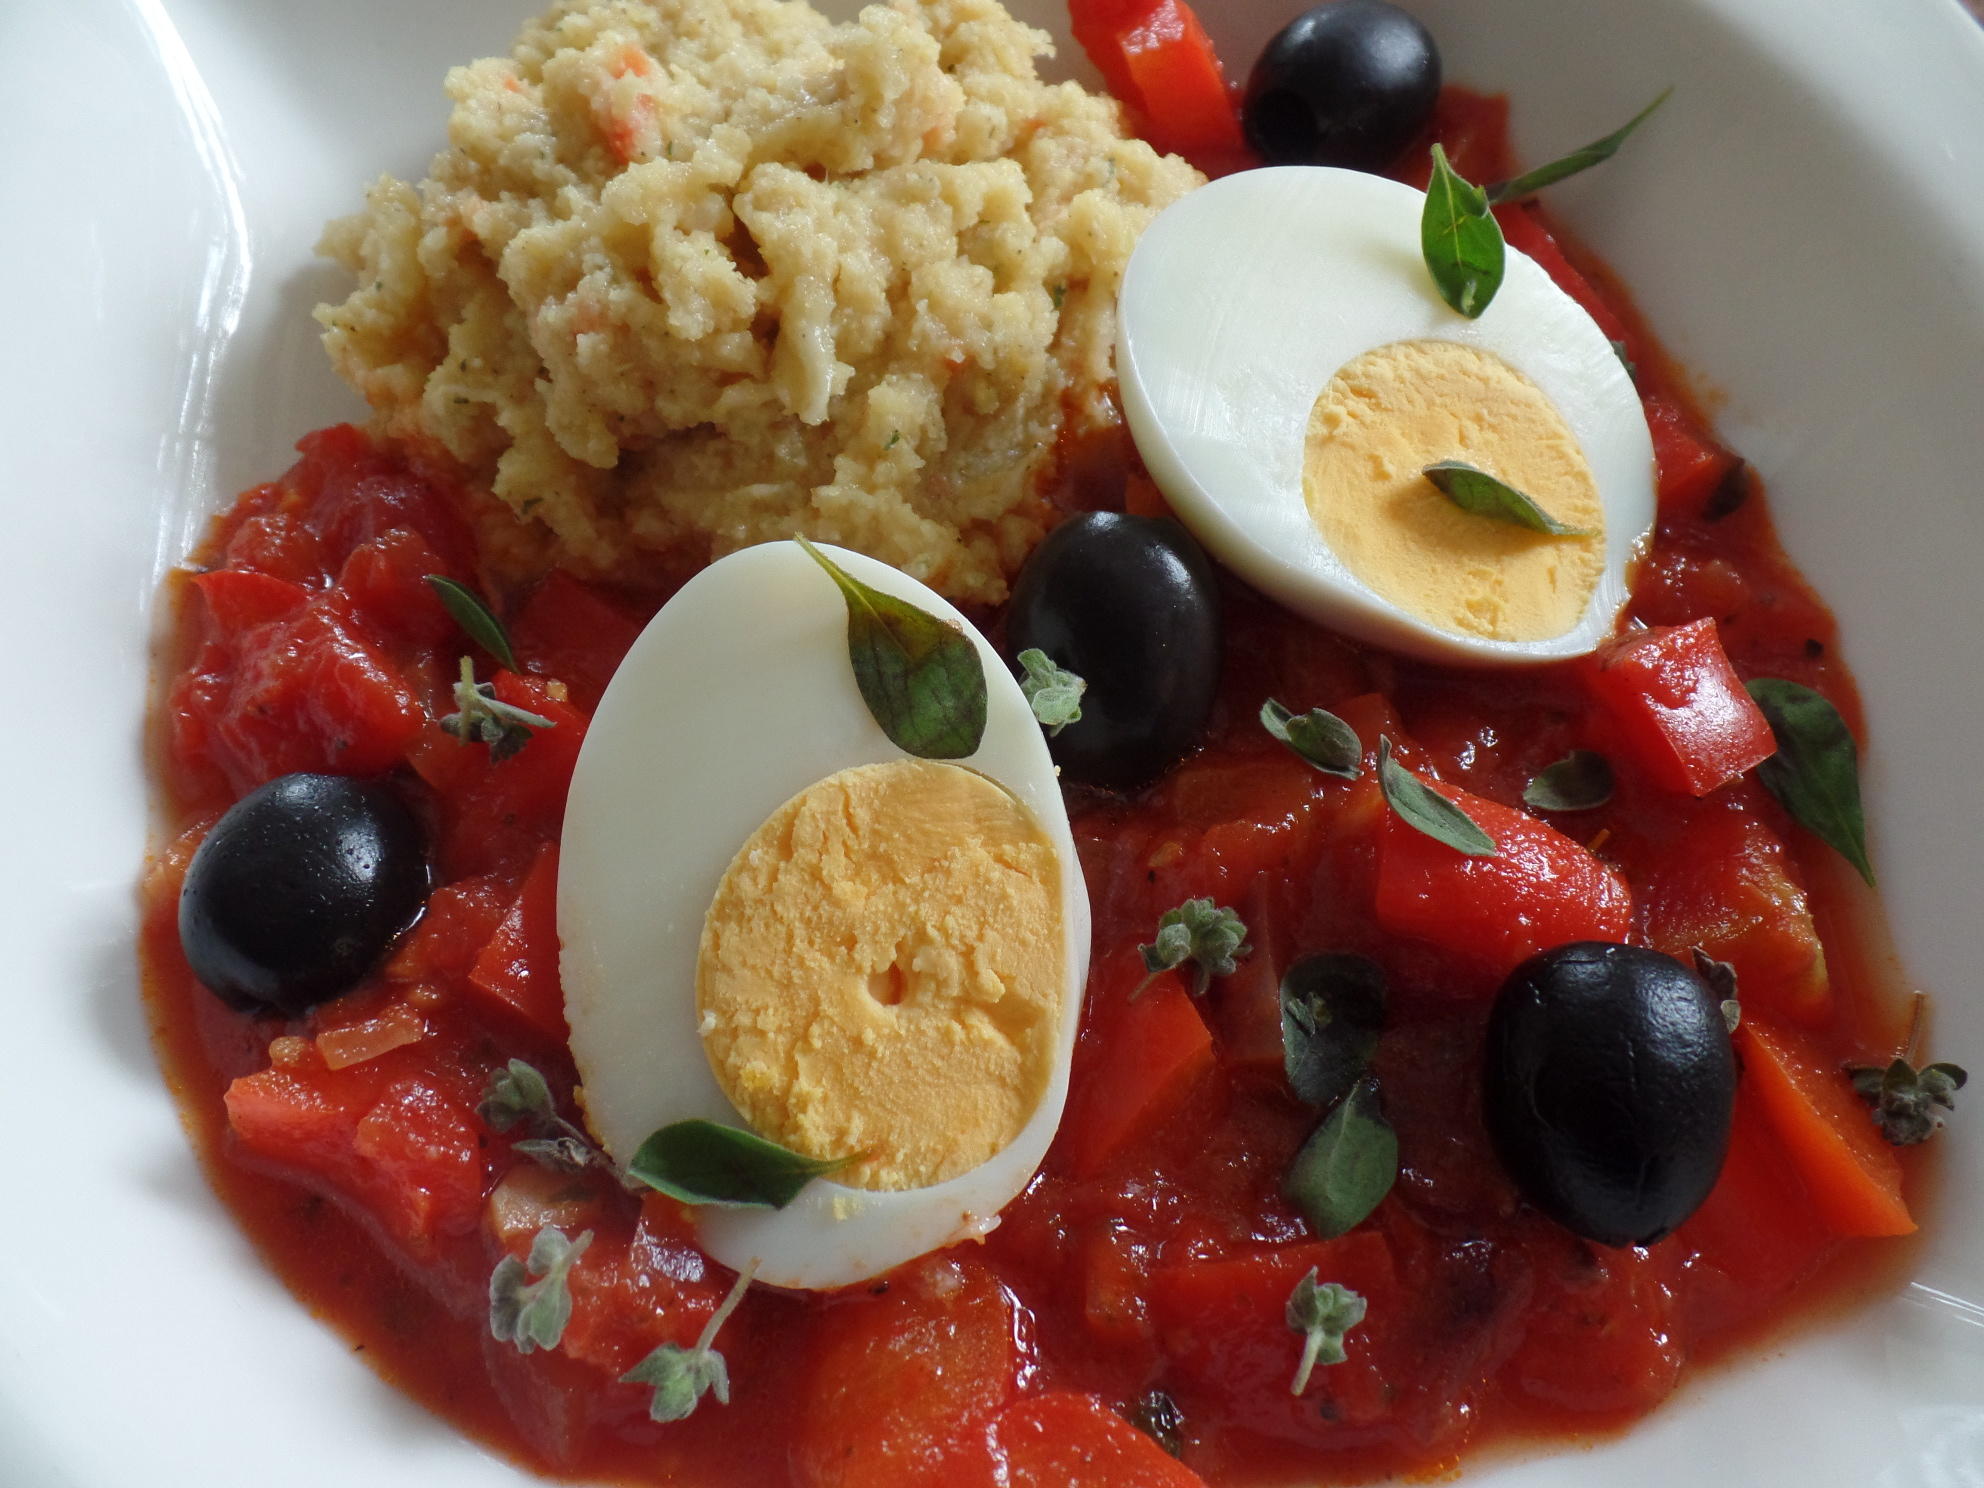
(1148, 1254)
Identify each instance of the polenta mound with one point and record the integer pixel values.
(706, 273)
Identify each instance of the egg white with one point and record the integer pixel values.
(1240, 303)
(736, 697)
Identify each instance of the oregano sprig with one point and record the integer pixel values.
(1720, 978)
(518, 1096)
(1054, 694)
(477, 621)
(532, 1314)
(1210, 937)
(680, 1377)
(1322, 1313)
(1910, 1105)
(1318, 736)
(482, 716)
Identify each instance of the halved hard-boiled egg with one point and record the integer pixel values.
(1289, 372)
(775, 919)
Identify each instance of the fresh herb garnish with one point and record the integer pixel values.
(1157, 1416)
(481, 715)
(533, 1314)
(920, 676)
(1421, 807)
(1347, 1166)
(680, 1377)
(1332, 1007)
(1322, 1314)
(477, 621)
(1580, 781)
(1482, 494)
(1596, 153)
(1619, 350)
(1720, 978)
(700, 1162)
(1318, 736)
(1910, 1105)
(1054, 695)
(1209, 937)
(518, 1096)
(1460, 240)
(1816, 770)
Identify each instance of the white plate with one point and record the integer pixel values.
(1804, 224)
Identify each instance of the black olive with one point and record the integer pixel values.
(1129, 604)
(298, 891)
(1349, 83)
(1609, 1087)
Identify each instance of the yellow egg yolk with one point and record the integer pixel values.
(1389, 413)
(881, 972)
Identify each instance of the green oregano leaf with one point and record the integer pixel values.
(1421, 807)
(1580, 781)
(1482, 494)
(1461, 241)
(1319, 736)
(680, 1377)
(1210, 937)
(1054, 695)
(700, 1162)
(477, 621)
(920, 676)
(483, 717)
(1347, 1166)
(1596, 153)
(1910, 1105)
(533, 1314)
(1332, 1007)
(1322, 1313)
(515, 1094)
(1816, 770)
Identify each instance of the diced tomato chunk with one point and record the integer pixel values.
(238, 601)
(1227, 1341)
(1540, 889)
(1851, 1173)
(1725, 882)
(459, 922)
(1677, 704)
(419, 1161)
(574, 634)
(903, 1386)
(1065, 1440)
(1598, 1338)
(385, 589)
(518, 969)
(1693, 466)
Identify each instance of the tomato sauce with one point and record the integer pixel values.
(1154, 1250)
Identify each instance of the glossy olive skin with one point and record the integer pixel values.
(1609, 1088)
(1350, 83)
(298, 891)
(1131, 605)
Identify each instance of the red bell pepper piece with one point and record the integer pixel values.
(518, 969)
(1691, 464)
(1065, 1440)
(1540, 889)
(1148, 1053)
(1678, 707)
(1181, 89)
(1851, 1173)
(238, 600)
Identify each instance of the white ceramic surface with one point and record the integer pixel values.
(1804, 224)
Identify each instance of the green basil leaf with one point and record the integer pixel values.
(1580, 781)
(700, 1162)
(1461, 241)
(1332, 1006)
(1596, 153)
(921, 677)
(1482, 494)
(1816, 770)
(475, 618)
(1421, 807)
(1346, 1167)
(1319, 736)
